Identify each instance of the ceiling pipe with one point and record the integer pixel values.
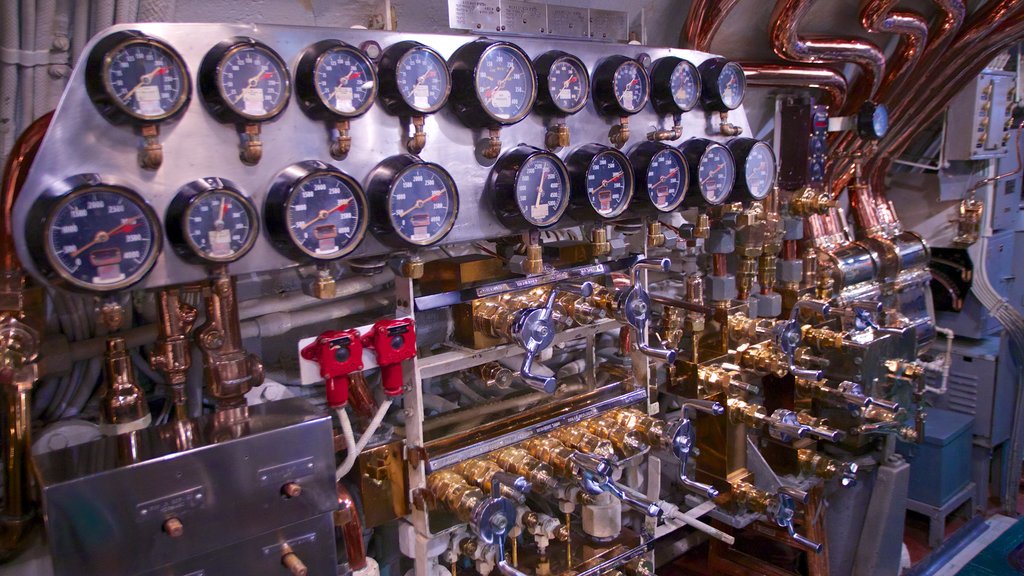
(879, 17)
(703, 21)
(831, 83)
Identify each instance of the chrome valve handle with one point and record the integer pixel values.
(781, 511)
(534, 330)
(783, 425)
(788, 336)
(495, 517)
(595, 478)
(683, 439)
(634, 305)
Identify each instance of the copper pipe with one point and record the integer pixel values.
(348, 527)
(703, 21)
(718, 265)
(790, 45)
(880, 16)
(123, 407)
(230, 371)
(171, 354)
(831, 83)
(790, 250)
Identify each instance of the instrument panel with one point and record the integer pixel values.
(242, 216)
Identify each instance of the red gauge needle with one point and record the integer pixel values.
(672, 173)
(224, 205)
(145, 80)
(325, 213)
(712, 173)
(421, 203)
(604, 183)
(126, 226)
(571, 80)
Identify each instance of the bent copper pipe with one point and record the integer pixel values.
(15, 172)
(703, 21)
(880, 16)
(831, 83)
(348, 527)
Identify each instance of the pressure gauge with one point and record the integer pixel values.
(211, 221)
(621, 86)
(602, 181)
(335, 81)
(315, 212)
(415, 203)
(563, 83)
(675, 85)
(93, 235)
(755, 168)
(494, 83)
(414, 79)
(135, 78)
(530, 187)
(244, 81)
(723, 85)
(712, 169)
(872, 121)
(662, 175)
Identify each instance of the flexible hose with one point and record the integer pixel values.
(355, 448)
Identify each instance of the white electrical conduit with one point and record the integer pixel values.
(352, 447)
(943, 365)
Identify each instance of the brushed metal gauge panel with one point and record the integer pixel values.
(196, 145)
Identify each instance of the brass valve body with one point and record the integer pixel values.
(553, 453)
(451, 489)
(580, 439)
(653, 429)
(518, 461)
(627, 442)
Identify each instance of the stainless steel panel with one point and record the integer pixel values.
(221, 476)
(80, 140)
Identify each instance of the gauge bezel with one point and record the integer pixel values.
(465, 70)
(53, 200)
(283, 190)
(97, 78)
(310, 100)
(503, 183)
(640, 158)
(741, 149)
(387, 75)
(710, 95)
(212, 90)
(695, 150)
(866, 120)
(379, 188)
(542, 66)
(603, 89)
(180, 208)
(662, 98)
(578, 163)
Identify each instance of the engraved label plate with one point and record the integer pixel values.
(610, 25)
(524, 17)
(568, 21)
(172, 504)
(482, 15)
(286, 472)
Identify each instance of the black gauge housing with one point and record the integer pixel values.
(503, 184)
(387, 76)
(604, 90)
(741, 148)
(579, 163)
(45, 209)
(310, 99)
(640, 158)
(97, 78)
(711, 96)
(465, 68)
(178, 213)
(213, 94)
(548, 105)
(872, 121)
(380, 188)
(694, 150)
(286, 186)
(661, 85)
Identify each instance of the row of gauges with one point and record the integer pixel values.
(137, 78)
(102, 236)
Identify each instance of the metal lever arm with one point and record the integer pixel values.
(635, 308)
(782, 512)
(595, 478)
(534, 330)
(683, 439)
(495, 517)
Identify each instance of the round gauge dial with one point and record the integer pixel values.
(631, 86)
(211, 220)
(414, 79)
(563, 83)
(756, 167)
(712, 169)
(602, 180)
(99, 237)
(665, 174)
(244, 80)
(872, 121)
(138, 78)
(621, 86)
(335, 79)
(732, 85)
(494, 84)
(724, 84)
(316, 211)
(530, 188)
(417, 201)
(676, 85)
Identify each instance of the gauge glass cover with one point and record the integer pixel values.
(880, 120)
(422, 204)
(630, 86)
(324, 216)
(541, 190)
(219, 225)
(609, 184)
(422, 79)
(344, 80)
(759, 172)
(505, 83)
(731, 85)
(685, 85)
(253, 82)
(567, 85)
(145, 80)
(666, 184)
(717, 174)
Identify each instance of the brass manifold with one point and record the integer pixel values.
(579, 438)
(763, 358)
(519, 461)
(480, 473)
(625, 441)
(654, 430)
(821, 338)
(817, 464)
(451, 489)
(552, 453)
(748, 496)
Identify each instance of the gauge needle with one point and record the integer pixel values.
(540, 188)
(127, 225)
(421, 203)
(252, 82)
(223, 210)
(325, 213)
(712, 173)
(501, 83)
(145, 80)
(428, 74)
(672, 173)
(604, 183)
(570, 80)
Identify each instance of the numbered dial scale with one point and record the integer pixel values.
(563, 83)
(315, 212)
(755, 168)
(244, 81)
(621, 86)
(662, 175)
(97, 236)
(530, 187)
(134, 78)
(415, 203)
(334, 80)
(602, 182)
(675, 85)
(712, 169)
(414, 79)
(211, 221)
(494, 84)
(723, 85)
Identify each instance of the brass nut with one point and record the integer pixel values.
(174, 528)
(291, 490)
(412, 268)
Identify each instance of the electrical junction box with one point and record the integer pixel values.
(941, 465)
(980, 117)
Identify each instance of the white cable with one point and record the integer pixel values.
(354, 448)
(943, 365)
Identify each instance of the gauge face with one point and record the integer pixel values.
(220, 225)
(716, 174)
(505, 83)
(345, 80)
(759, 172)
(666, 179)
(102, 238)
(324, 215)
(685, 85)
(609, 184)
(146, 80)
(542, 190)
(422, 204)
(422, 78)
(631, 86)
(731, 85)
(253, 82)
(567, 84)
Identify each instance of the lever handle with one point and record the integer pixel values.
(827, 434)
(546, 384)
(782, 512)
(883, 404)
(595, 478)
(635, 308)
(682, 445)
(654, 264)
(534, 330)
(784, 425)
(706, 406)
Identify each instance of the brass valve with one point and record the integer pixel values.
(599, 241)
(809, 202)
(655, 235)
(812, 462)
(123, 407)
(494, 375)
(626, 441)
(480, 473)
(741, 328)
(557, 136)
(718, 379)
(579, 438)
(763, 358)
(457, 495)
(748, 496)
(655, 430)
(582, 310)
(518, 461)
(535, 523)
(619, 133)
(703, 227)
(553, 453)
(821, 338)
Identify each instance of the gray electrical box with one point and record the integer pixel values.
(980, 117)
